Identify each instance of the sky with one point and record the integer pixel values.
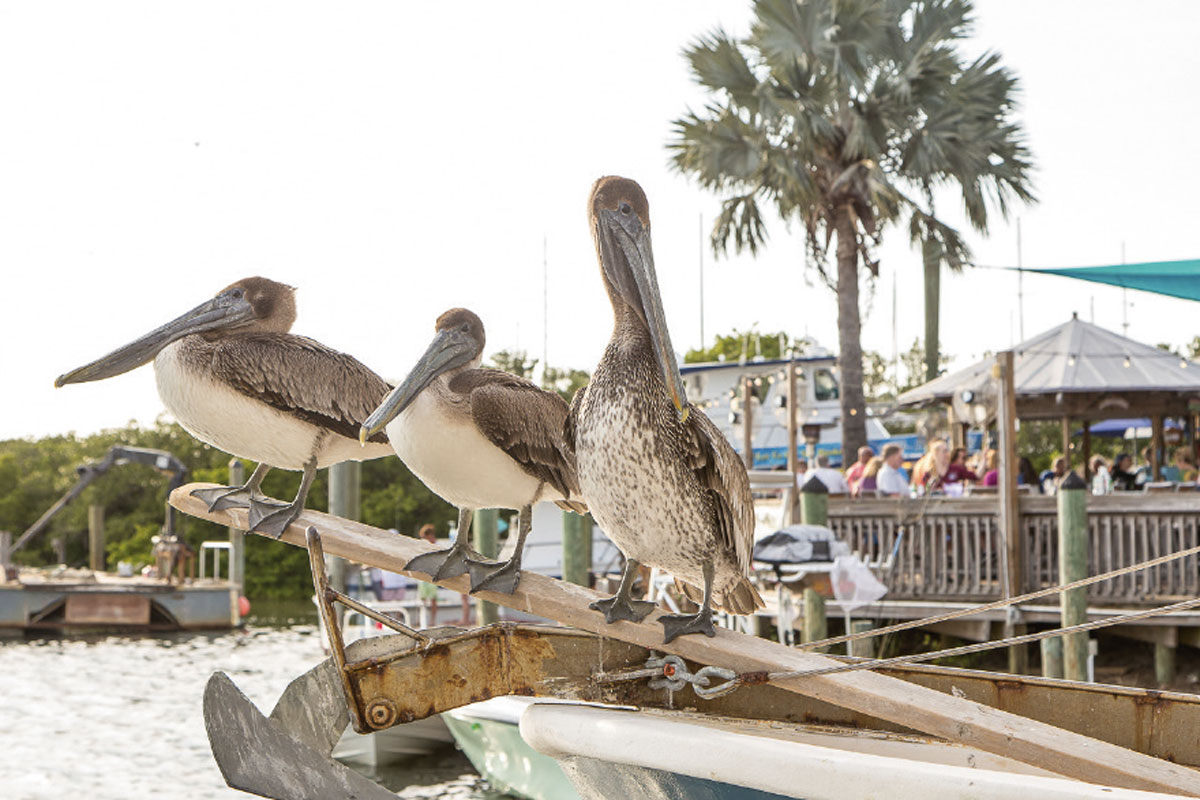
(396, 159)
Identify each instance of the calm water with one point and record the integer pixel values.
(120, 717)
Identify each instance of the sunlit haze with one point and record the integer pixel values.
(393, 160)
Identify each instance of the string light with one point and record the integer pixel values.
(1127, 363)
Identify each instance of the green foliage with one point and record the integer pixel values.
(517, 362)
(747, 345)
(565, 381)
(34, 474)
(878, 383)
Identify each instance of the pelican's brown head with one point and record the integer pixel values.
(273, 303)
(463, 324)
(620, 220)
(251, 304)
(457, 344)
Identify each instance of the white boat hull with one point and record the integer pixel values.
(607, 752)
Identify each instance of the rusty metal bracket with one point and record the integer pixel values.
(326, 596)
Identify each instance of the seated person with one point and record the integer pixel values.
(833, 480)
(992, 475)
(891, 478)
(1123, 478)
(1050, 478)
(958, 472)
(868, 482)
(1185, 462)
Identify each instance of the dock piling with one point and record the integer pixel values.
(577, 548)
(345, 500)
(1072, 566)
(96, 537)
(814, 510)
(486, 542)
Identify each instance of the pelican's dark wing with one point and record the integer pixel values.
(525, 422)
(337, 391)
(722, 474)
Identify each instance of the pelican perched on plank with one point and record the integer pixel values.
(480, 438)
(659, 477)
(232, 375)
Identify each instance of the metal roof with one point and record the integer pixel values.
(1076, 356)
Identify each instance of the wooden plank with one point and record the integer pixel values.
(107, 608)
(878, 695)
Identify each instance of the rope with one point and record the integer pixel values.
(966, 612)
(975, 648)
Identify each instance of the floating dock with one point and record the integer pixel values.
(75, 599)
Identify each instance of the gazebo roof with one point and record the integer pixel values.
(1081, 370)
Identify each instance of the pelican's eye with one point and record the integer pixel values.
(237, 294)
(625, 208)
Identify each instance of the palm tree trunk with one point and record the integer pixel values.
(854, 407)
(933, 291)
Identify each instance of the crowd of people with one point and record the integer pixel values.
(949, 471)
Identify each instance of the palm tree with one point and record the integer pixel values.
(848, 115)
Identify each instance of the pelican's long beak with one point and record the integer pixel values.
(449, 349)
(631, 271)
(223, 311)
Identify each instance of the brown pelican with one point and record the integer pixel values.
(480, 438)
(659, 477)
(232, 375)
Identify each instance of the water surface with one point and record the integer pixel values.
(115, 717)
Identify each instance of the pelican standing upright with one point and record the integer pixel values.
(232, 375)
(660, 479)
(479, 438)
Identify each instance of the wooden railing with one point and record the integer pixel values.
(951, 548)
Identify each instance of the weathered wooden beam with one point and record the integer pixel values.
(1010, 510)
(877, 695)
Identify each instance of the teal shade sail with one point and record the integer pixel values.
(1173, 278)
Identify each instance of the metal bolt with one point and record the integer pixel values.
(381, 713)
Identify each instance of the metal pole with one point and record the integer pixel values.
(1072, 566)
(789, 496)
(1020, 285)
(345, 492)
(748, 422)
(486, 535)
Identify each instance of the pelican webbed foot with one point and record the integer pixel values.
(676, 625)
(444, 564)
(272, 517)
(505, 577)
(622, 606)
(617, 607)
(453, 561)
(220, 498)
(492, 577)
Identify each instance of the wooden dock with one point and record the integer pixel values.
(942, 715)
